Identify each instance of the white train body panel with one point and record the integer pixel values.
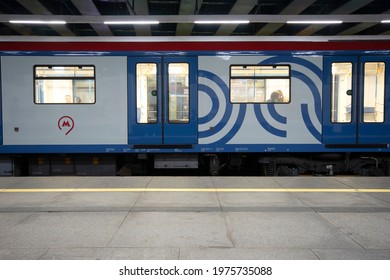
(27, 123)
(290, 126)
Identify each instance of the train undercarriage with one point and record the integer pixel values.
(214, 164)
(325, 164)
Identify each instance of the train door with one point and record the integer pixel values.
(356, 94)
(162, 101)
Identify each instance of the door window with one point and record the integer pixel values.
(341, 93)
(146, 92)
(178, 92)
(374, 92)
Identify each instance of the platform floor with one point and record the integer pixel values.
(174, 218)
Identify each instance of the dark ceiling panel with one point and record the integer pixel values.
(12, 7)
(43, 30)
(122, 30)
(375, 7)
(6, 31)
(60, 7)
(248, 29)
(111, 7)
(216, 7)
(171, 7)
(82, 29)
(324, 7)
(204, 30)
(164, 29)
(270, 7)
(376, 29)
(189, 7)
(287, 29)
(334, 29)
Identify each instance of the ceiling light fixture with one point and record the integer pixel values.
(385, 21)
(314, 21)
(221, 21)
(38, 21)
(139, 22)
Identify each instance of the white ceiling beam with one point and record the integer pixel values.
(142, 9)
(294, 8)
(87, 7)
(241, 7)
(187, 7)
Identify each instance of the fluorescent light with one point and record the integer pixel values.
(139, 22)
(314, 21)
(221, 21)
(385, 21)
(38, 21)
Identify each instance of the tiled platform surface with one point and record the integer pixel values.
(194, 218)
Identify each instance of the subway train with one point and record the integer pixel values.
(274, 106)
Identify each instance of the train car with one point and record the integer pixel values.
(279, 106)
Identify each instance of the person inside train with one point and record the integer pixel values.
(68, 99)
(276, 96)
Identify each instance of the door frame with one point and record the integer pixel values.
(356, 132)
(338, 133)
(163, 133)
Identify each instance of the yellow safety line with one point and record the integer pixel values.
(313, 190)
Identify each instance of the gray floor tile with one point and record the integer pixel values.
(369, 230)
(70, 254)
(246, 254)
(258, 199)
(365, 182)
(245, 182)
(96, 200)
(172, 229)
(111, 254)
(116, 182)
(7, 220)
(21, 254)
(352, 254)
(178, 199)
(27, 200)
(138, 254)
(181, 182)
(303, 230)
(310, 182)
(339, 200)
(59, 230)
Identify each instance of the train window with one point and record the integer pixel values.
(341, 96)
(62, 84)
(374, 92)
(260, 83)
(178, 77)
(146, 92)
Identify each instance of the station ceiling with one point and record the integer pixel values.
(176, 17)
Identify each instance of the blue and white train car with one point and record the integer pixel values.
(283, 107)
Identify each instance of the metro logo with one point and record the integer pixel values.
(66, 123)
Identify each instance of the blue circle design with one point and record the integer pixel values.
(229, 108)
(215, 104)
